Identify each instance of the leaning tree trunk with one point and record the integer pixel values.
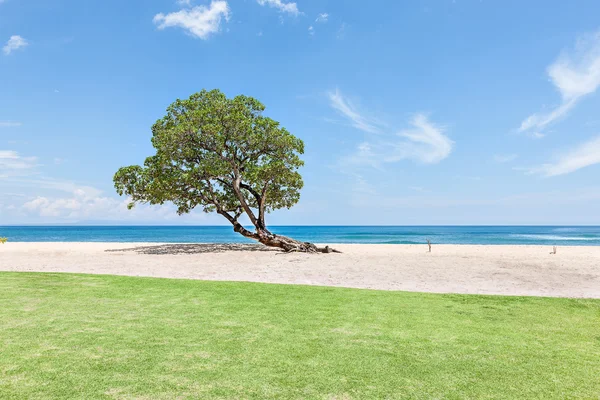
(285, 243)
(262, 234)
(290, 245)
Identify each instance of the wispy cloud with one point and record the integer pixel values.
(575, 74)
(59, 200)
(424, 142)
(529, 199)
(584, 155)
(199, 21)
(346, 108)
(14, 43)
(311, 30)
(282, 6)
(88, 203)
(11, 161)
(324, 17)
(9, 124)
(537, 135)
(504, 158)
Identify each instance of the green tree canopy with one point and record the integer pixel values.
(222, 155)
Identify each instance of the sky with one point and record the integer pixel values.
(424, 112)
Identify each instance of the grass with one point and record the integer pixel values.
(103, 337)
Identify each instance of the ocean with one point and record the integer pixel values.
(542, 235)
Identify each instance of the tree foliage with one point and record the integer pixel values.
(222, 155)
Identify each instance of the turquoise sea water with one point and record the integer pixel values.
(547, 235)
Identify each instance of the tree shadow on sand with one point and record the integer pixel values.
(170, 249)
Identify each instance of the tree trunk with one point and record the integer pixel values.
(267, 238)
(290, 245)
(285, 243)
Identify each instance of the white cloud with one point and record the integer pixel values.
(585, 155)
(540, 121)
(324, 17)
(11, 161)
(85, 203)
(9, 124)
(537, 135)
(425, 142)
(200, 21)
(504, 158)
(28, 196)
(311, 30)
(528, 200)
(290, 8)
(15, 42)
(346, 108)
(45, 183)
(575, 74)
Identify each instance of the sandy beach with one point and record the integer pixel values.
(506, 270)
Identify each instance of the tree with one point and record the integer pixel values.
(222, 155)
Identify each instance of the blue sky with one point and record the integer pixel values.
(412, 112)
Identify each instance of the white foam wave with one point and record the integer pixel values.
(555, 237)
(565, 230)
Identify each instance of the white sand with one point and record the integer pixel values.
(509, 270)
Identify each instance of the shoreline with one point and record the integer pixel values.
(330, 244)
(519, 270)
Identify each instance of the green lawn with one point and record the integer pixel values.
(84, 336)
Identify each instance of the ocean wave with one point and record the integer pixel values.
(566, 230)
(555, 237)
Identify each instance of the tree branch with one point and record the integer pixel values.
(237, 227)
(260, 202)
(238, 192)
(252, 191)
